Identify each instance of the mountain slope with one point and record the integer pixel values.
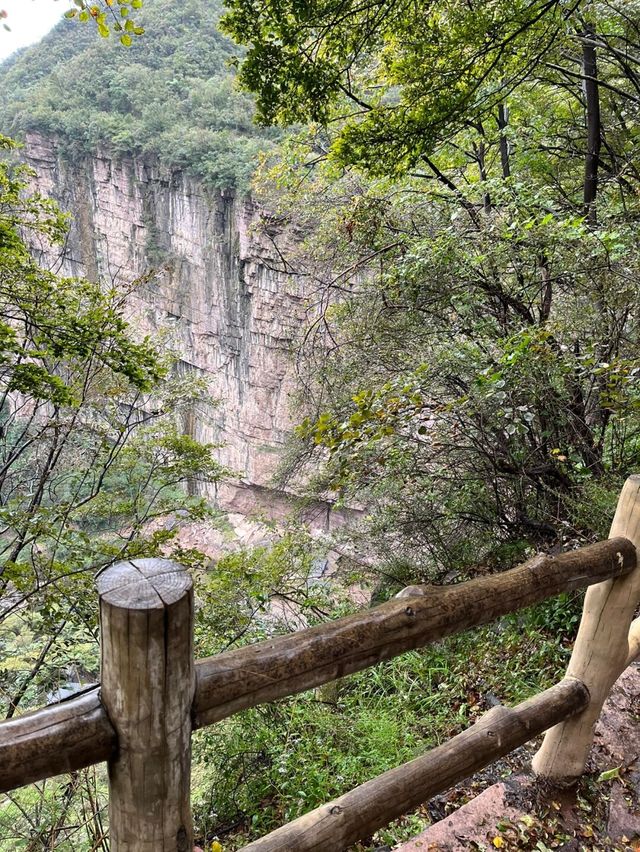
(170, 95)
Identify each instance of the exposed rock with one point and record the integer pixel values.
(624, 813)
(234, 313)
(515, 800)
(471, 824)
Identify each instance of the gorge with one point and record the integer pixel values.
(232, 313)
(446, 306)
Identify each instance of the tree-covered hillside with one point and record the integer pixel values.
(171, 94)
(470, 184)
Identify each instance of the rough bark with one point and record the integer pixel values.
(503, 123)
(146, 614)
(283, 666)
(60, 738)
(593, 120)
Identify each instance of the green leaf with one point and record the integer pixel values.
(126, 40)
(608, 774)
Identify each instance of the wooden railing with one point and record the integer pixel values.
(152, 694)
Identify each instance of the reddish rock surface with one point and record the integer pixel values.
(614, 812)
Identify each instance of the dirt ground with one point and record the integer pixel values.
(505, 808)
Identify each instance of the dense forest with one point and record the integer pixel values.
(477, 252)
(170, 94)
(463, 183)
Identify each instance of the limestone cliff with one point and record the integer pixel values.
(235, 316)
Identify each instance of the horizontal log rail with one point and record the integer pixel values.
(62, 737)
(336, 825)
(77, 732)
(299, 661)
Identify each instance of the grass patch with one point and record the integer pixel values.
(271, 764)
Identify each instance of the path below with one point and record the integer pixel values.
(600, 814)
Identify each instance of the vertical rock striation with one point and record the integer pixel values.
(234, 314)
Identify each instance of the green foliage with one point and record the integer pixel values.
(91, 463)
(472, 376)
(109, 17)
(51, 324)
(67, 812)
(408, 73)
(241, 590)
(92, 469)
(559, 616)
(170, 96)
(271, 764)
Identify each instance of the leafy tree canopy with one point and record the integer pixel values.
(398, 78)
(170, 95)
(472, 374)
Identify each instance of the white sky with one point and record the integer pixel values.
(29, 20)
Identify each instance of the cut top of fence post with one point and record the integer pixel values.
(143, 584)
(148, 682)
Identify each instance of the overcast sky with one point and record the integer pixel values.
(29, 21)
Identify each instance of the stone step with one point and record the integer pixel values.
(518, 800)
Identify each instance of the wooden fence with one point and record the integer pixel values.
(152, 695)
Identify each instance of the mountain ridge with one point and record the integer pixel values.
(171, 95)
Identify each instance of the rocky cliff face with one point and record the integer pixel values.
(234, 315)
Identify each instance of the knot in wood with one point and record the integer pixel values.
(334, 810)
(182, 840)
(143, 584)
(410, 611)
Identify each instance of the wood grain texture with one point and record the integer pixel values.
(288, 664)
(146, 614)
(78, 732)
(633, 651)
(601, 650)
(356, 815)
(59, 738)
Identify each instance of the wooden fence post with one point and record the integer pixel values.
(603, 648)
(148, 683)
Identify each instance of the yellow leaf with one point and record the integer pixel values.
(498, 842)
(216, 847)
